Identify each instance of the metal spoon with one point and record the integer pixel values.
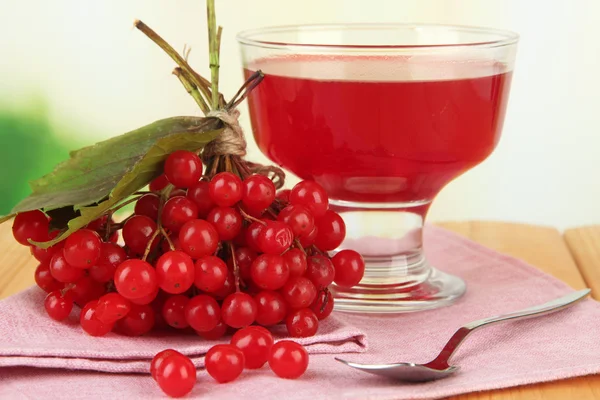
(439, 367)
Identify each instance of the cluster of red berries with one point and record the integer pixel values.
(199, 254)
(250, 348)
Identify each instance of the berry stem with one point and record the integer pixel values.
(250, 217)
(246, 88)
(166, 236)
(123, 204)
(325, 292)
(191, 89)
(149, 245)
(236, 269)
(299, 246)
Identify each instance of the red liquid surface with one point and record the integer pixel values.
(378, 129)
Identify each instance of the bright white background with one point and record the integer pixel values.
(104, 77)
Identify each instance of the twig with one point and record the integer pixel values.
(191, 89)
(246, 88)
(236, 270)
(166, 236)
(250, 217)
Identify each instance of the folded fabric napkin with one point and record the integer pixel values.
(557, 346)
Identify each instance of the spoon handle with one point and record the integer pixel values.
(531, 312)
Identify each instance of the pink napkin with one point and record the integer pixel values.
(553, 347)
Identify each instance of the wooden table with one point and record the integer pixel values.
(573, 257)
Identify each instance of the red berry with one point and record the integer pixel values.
(99, 224)
(349, 268)
(225, 189)
(59, 305)
(296, 262)
(255, 342)
(331, 231)
(202, 313)
(258, 192)
(199, 194)
(323, 304)
(146, 299)
(183, 168)
(86, 289)
(227, 221)
(45, 255)
(284, 195)
(216, 333)
(224, 362)
(269, 271)
(45, 280)
(271, 308)
(227, 289)
(299, 292)
(173, 311)
(210, 273)
(32, 225)
(82, 248)
(198, 238)
(175, 272)
(320, 271)
(137, 232)
(308, 240)
(238, 310)
(244, 257)
(90, 324)
(111, 256)
(177, 211)
(288, 359)
(275, 237)
(299, 219)
(165, 246)
(112, 307)
(302, 323)
(148, 205)
(175, 374)
(311, 195)
(252, 234)
(135, 279)
(138, 321)
(159, 183)
(159, 359)
(64, 272)
(178, 193)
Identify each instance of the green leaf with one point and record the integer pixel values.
(140, 175)
(91, 173)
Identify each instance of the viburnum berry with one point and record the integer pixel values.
(112, 307)
(216, 333)
(284, 196)
(238, 310)
(199, 194)
(275, 237)
(296, 262)
(82, 248)
(137, 232)
(252, 234)
(269, 271)
(323, 304)
(227, 289)
(227, 221)
(298, 218)
(173, 311)
(59, 304)
(148, 205)
(302, 323)
(309, 240)
(320, 271)
(244, 257)
(159, 183)
(178, 193)
(86, 289)
(44, 279)
(175, 373)
(146, 299)
(135, 279)
(138, 321)
(90, 324)
(311, 195)
(349, 268)
(210, 273)
(299, 292)
(225, 189)
(255, 342)
(202, 313)
(183, 168)
(177, 211)
(198, 238)
(45, 255)
(111, 256)
(63, 271)
(258, 192)
(288, 359)
(32, 225)
(175, 272)
(158, 359)
(331, 231)
(271, 307)
(99, 224)
(224, 362)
